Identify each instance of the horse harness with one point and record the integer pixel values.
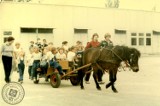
(126, 62)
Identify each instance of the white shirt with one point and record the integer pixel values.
(37, 56)
(49, 55)
(61, 56)
(20, 54)
(30, 59)
(7, 50)
(70, 56)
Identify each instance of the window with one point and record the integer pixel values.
(28, 30)
(148, 34)
(141, 41)
(5, 39)
(141, 34)
(148, 41)
(120, 31)
(133, 34)
(133, 41)
(45, 30)
(156, 32)
(77, 31)
(7, 33)
(37, 30)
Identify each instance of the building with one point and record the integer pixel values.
(56, 23)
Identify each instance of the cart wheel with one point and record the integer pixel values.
(55, 80)
(74, 80)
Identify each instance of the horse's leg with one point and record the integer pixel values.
(112, 78)
(95, 79)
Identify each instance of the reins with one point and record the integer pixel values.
(126, 62)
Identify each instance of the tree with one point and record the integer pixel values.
(112, 3)
(24, 0)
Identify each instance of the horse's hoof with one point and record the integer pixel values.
(115, 91)
(108, 85)
(98, 88)
(82, 88)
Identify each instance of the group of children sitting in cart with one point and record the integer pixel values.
(45, 55)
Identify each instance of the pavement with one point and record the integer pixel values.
(134, 89)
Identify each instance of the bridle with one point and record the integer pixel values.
(126, 62)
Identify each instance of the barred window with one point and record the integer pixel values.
(148, 41)
(45, 30)
(77, 31)
(133, 41)
(37, 30)
(28, 30)
(156, 32)
(120, 31)
(141, 41)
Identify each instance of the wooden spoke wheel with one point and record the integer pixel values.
(55, 80)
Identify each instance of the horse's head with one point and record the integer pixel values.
(133, 59)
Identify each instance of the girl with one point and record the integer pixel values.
(37, 55)
(61, 55)
(30, 62)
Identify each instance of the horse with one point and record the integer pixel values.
(102, 59)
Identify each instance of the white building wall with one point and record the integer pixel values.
(65, 18)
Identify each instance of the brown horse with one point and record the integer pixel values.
(108, 59)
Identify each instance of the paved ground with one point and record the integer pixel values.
(135, 89)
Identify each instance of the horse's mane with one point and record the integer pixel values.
(118, 52)
(136, 51)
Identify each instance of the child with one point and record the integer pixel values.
(21, 65)
(30, 62)
(61, 55)
(53, 63)
(36, 63)
(71, 56)
(19, 57)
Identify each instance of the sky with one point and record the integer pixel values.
(148, 5)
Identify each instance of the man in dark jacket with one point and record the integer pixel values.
(107, 42)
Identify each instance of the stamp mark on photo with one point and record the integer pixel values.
(13, 93)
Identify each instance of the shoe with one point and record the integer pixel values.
(101, 82)
(46, 79)
(36, 81)
(21, 81)
(7, 80)
(87, 82)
